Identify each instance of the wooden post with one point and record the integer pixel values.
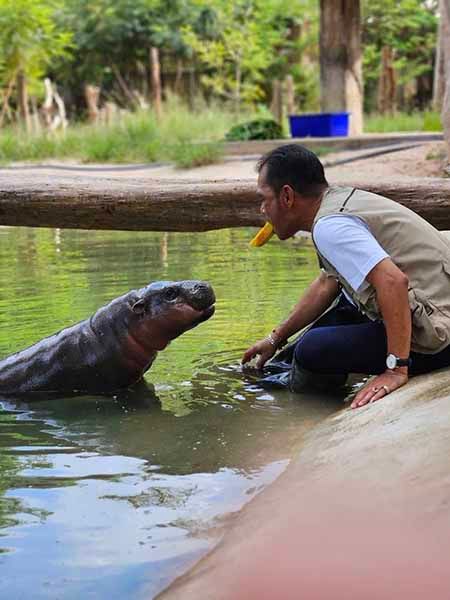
(5, 101)
(156, 81)
(276, 107)
(60, 119)
(47, 106)
(53, 118)
(22, 98)
(92, 95)
(341, 85)
(290, 95)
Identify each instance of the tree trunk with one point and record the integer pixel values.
(445, 114)
(156, 81)
(22, 99)
(387, 83)
(341, 60)
(439, 64)
(142, 205)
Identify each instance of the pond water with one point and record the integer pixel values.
(113, 497)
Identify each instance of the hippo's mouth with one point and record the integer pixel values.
(208, 312)
(205, 314)
(202, 315)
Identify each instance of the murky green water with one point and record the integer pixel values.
(112, 497)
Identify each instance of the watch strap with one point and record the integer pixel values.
(403, 362)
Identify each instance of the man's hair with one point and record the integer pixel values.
(296, 166)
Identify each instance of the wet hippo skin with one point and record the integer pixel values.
(115, 346)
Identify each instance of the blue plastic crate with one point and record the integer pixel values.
(319, 125)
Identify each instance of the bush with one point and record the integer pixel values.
(259, 129)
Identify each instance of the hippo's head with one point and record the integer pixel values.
(165, 309)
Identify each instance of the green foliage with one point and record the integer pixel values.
(114, 36)
(230, 51)
(258, 129)
(30, 38)
(247, 38)
(406, 26)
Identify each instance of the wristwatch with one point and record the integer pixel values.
(393, 361)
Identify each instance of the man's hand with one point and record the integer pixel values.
(380, 386)
(317, 298)
(265, 350)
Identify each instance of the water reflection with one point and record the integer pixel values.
(111, 496)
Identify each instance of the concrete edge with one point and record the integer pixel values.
(393, 454)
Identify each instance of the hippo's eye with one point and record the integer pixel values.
(170, 294)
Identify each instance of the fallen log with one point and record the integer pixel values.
(78, 202)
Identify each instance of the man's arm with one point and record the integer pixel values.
(391, 286)
(317, 298)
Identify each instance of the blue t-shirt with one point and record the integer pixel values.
(347, 243)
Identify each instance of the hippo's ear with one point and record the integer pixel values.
(138, 307)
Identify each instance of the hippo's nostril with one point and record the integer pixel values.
(171, 294)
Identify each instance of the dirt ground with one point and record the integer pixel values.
(424, 160)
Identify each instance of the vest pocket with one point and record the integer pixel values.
(446, 269)
(430, 327)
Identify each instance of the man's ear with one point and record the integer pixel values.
(287, 196)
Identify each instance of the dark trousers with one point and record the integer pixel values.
(345, 341)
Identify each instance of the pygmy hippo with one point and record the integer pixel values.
(114, 347)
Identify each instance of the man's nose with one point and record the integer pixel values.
(262, 208)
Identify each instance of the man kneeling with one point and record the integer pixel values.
(381, 304)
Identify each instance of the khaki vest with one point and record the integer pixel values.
(415, 246)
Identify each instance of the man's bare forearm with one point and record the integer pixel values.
(391, 287)
(317, 298)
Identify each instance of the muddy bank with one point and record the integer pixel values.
(363, 512)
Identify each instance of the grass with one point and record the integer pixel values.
(416, 121)
(183, 137)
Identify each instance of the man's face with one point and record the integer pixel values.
(272, 206)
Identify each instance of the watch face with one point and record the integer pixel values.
(391, 361)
